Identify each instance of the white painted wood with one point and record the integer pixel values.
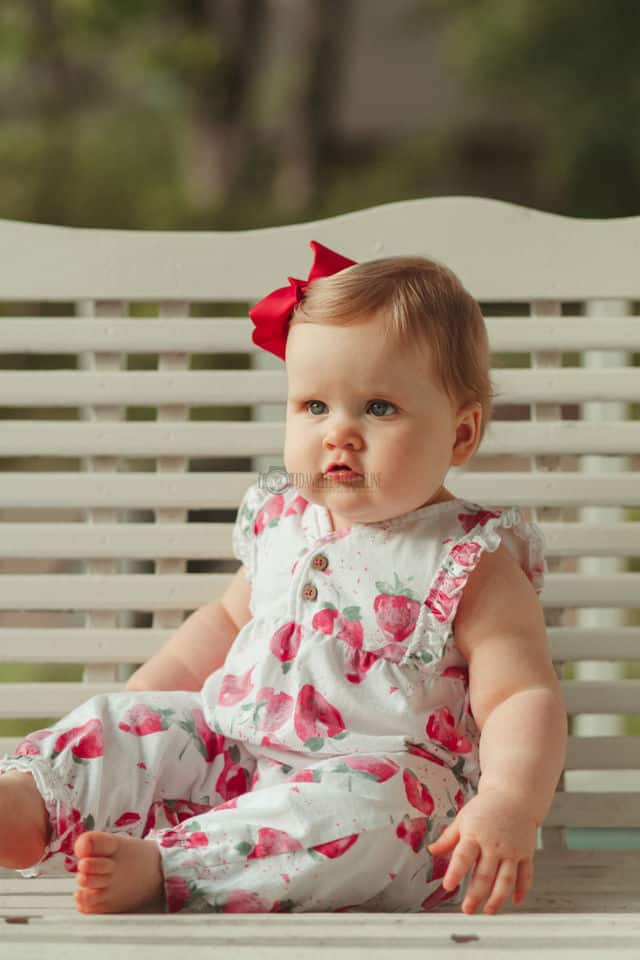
(35, 645)
(141, 540)
(52, 388)
(172, 413)
(105, 412)
(213, 540)
(500, 251)
(164, 591)
(60, 438)
(604, 413)
(57, 490)
(233, 335)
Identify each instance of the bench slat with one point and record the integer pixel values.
(594, 810)
(575, 893)
(47, 388)
(54, 438)
(222, 335)
(186, 591)
(224, 490)
(213, 540)
(60, 541)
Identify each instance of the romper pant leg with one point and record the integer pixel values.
(342, 833)
(128, 763)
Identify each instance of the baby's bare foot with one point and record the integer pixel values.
(24, 822)
(117, 874)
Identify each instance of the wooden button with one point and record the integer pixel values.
(309, 591)
(320, 561)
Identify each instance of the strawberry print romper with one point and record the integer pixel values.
(334, 744)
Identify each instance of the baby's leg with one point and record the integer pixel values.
(123, 764)
(346, 832)
(24, 824)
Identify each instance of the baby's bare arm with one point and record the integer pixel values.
(200, 645)
(514, 692)
(516, 700)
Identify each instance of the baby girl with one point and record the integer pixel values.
(369, 718)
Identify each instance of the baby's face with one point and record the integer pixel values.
(380, 409)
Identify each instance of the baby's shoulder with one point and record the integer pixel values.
(266, 502)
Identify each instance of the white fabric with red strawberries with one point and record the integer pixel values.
(313, 769)
(370, 661)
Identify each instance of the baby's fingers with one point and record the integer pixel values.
(502, 886)
(464, 856)
(523, 881)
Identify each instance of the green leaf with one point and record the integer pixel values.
(383, 587)
(341, 768)
(352, 613)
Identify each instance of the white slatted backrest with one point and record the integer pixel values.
(106, 589)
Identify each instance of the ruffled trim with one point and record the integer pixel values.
(463, 556)
(242, 536)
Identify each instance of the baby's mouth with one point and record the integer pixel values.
(342, 473)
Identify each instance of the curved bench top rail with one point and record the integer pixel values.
(501, 252)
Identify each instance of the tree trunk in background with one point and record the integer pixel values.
(221, 130)
(57, 94)
(313, 41)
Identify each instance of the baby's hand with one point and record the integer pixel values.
(497, 833)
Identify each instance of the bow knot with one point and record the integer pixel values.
(271, 315)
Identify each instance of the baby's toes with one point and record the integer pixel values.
(90, 901)
(95, 843)
(94, 881)
(96, 867)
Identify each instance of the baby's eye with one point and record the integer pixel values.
(312, 406)
(376, 405)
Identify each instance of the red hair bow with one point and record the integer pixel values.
(271, 315)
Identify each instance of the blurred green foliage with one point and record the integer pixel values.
(110, 111)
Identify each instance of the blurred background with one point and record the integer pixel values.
(241, 114)
(234, 114)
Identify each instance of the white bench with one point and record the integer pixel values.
(95, 533)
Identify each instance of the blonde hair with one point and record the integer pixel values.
(418, 301)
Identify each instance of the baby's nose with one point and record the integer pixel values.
(344, 435)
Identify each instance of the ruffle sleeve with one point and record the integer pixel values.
(479, 529)
(243, 539)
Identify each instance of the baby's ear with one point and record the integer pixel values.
(468, 424)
